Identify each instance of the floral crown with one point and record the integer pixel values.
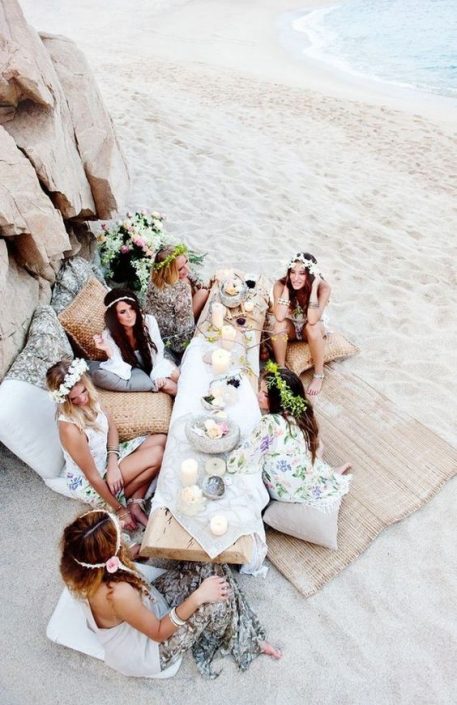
(76, 370)
(177, 251)
(293, 403)
(113, 564)
(312, 267)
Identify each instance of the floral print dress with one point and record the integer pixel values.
(278, 448)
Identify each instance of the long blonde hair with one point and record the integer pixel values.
(82, 416)
(168, 274)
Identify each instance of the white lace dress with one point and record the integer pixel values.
(97, 438)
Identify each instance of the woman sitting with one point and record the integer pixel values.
(285, 446)
(300, 298)
(134, 349)
(140, 634)
(175, 297)
(98, 469)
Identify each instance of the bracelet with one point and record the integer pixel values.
(175, 619)
(116, 452)
(283, 302)
(311, 304)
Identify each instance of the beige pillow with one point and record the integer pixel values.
(137, 413)
(336, 346)
(303, 522)
(84, 317)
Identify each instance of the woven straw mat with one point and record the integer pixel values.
(398, 465)
(336, 347)
(83, 318)
(137, 413)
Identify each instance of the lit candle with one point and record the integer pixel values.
(218, 524)
(220, 360)
(228, 337)
(248, 306)
(215, 466)
(189, 472)
(217, 314)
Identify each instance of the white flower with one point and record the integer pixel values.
(76, 370)
(191, 495)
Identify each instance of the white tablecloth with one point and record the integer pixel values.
(245, 495)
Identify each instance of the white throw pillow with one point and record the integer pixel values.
(303, 522)
(28, 427)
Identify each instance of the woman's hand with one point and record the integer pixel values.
(114, 479)
(102, 345)
(159, 382)
(126, 520)
(213, 589)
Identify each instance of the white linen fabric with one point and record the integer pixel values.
(245, 495)
(161, 367)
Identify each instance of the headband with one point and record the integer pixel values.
(76, 370)
(121, 298)
(113, 564)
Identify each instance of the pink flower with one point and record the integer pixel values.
(224, 428)
(129, 214)
(112, 564)
(104, 226)
(125, 249)
(139, 242)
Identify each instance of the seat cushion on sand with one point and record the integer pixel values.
(68, 625)
(303, 522)
(84, 318)
(46, 344)
(71, 278)
(28, 427)
(137, 413)
(299, 359)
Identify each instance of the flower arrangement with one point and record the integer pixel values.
(213, 429)
(128, 248)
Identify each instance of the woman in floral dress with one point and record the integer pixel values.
(285, 446)
(98, 469)
(175, 297)
(145, 628)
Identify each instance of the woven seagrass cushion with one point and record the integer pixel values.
(299, 359)
(83, 318)
(303, 522)
(139, 413)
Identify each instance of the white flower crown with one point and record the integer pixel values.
(312, 267)
(76, 370)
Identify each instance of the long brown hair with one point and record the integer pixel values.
(82, 416)
(91, 538)
(140, 330)
(305, 421)
(300, 297)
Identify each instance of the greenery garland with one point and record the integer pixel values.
(177, 252)
(292, 403)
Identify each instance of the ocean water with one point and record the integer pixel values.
(406, 42)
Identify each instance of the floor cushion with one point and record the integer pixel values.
(71, 278)
(46, 344)
(139, 413)
(84, 318)
(298, 358)
(303, 522)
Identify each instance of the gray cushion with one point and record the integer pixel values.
(303, 522)
(71, 278)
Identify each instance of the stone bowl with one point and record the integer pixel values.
(213, 487)
(211, 445)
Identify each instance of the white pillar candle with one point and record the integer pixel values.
(189, 472)
(215, 466)
(218, 524)
(228, 335)
(217, 315)
(248, 306)
(220, 360)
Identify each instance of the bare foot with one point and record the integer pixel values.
(137, 513)
(343, 468)
(315, 386)
(269, 650)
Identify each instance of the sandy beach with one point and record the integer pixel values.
(253, 154)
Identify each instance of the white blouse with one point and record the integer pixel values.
(161, 367)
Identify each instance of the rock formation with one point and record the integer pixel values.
(60, 165)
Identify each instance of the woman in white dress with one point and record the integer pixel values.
(134, 348)
(99, 470)
(285, 446)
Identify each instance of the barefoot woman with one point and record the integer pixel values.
(98, 469)
(300, 299)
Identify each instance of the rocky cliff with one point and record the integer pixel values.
(60, 166)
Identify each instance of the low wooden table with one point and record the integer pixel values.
(164, 536)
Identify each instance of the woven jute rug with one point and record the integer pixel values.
(398, 465)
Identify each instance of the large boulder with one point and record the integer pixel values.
(23, 73)
(98, 147)
(27, 216)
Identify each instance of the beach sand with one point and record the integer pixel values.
(254, 154)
